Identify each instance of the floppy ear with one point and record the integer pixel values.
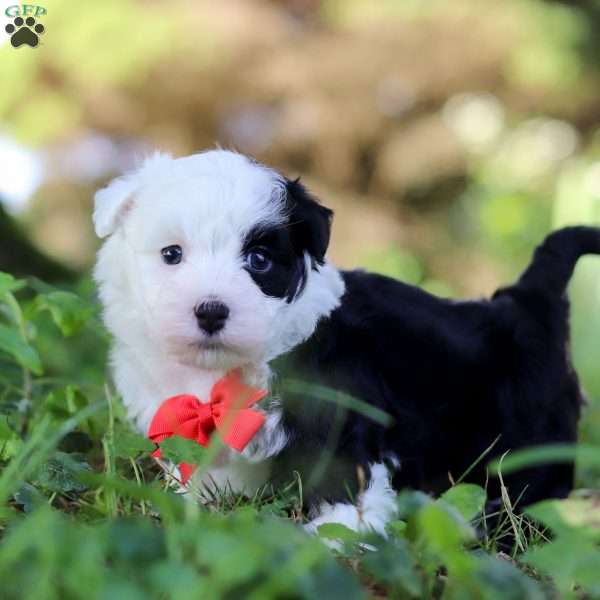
(112, 202)
(310, 222)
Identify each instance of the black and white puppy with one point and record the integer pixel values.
(214, 262)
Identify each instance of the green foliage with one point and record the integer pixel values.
(205, 556)
(585, 457)
(128, 444)
(432, 555)
(69, 312)
(15, 343)
(573, 555)
(178, 450)
(127, 539)
(61, 474)
(9, 284)
(468, 499)
(338, 399)
(81, 501)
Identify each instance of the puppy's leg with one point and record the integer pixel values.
(376, 506)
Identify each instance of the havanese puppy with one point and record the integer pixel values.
(214, 264)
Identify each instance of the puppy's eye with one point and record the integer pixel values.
(258, 261)
(172, 254)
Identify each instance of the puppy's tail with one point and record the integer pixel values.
(554, 260)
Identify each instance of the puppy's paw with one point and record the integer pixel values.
(352, 520)
(376, 507)
(340, 513)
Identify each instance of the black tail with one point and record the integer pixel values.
(554, 260)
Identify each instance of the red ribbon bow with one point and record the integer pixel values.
(228, 411)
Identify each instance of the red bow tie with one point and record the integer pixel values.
(227, 411)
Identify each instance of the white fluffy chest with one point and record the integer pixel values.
(145, 384)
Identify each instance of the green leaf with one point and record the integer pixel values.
(338, 532)
(442, 530)
(60, 473)
(498, 579)
(410, 502)
(392, 564)
(9, 284)
(342, 399)
(396, 529)
(69, 312)
(568, 560)
(584, 455)
(65, 401)
(161, 578)
(565, 517)
(178, 449)
(12, 343)
(118, 586)
(443, 527)
(29, 497)
(6, 433)
(10, 442)
(11, 448)
(129, 445)
(135, 541)
(469, 499)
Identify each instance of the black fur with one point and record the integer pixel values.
(310, 222)
(307, 230)
(287, 275)
(453, 375)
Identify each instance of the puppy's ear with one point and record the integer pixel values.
(310, 222)
(112, 202)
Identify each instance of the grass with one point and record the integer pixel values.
(86, 513)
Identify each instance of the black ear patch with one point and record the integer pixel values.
(310, 222)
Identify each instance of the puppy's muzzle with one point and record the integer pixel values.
(211, 316)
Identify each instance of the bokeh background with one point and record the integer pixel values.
(448, 135)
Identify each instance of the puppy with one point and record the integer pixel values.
(214, 262)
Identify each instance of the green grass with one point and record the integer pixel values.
(86, 513)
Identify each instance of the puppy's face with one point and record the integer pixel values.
(208, 258)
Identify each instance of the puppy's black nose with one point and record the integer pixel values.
(211, 316)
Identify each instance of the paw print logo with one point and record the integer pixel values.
(24, 32)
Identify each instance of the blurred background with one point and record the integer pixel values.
(448, 136)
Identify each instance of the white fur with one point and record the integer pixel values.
(376, 506)
(206, 203)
